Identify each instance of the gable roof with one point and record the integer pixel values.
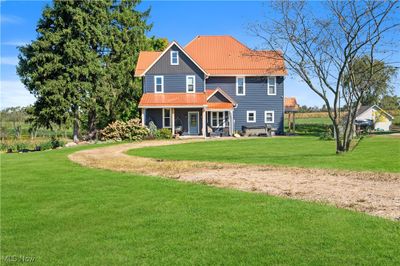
(224, 55)
(221, 55)
(290, 104)
(364, 108)
(145, 59)
(211, 93)
(148, 60)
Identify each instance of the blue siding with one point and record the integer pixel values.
(173, 83)
(256, 99)
(174, 75)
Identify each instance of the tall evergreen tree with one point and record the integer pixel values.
(81, 65)
(127, 29)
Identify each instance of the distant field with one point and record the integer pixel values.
(314, 123)
(311, 120)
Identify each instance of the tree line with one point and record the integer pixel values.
(81, 66)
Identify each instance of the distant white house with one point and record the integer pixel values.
(375, 117)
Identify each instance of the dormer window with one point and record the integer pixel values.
(190, 84)
(174, 58)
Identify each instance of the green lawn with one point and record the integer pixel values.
(379, 153)
(312, 120)
(61, 213)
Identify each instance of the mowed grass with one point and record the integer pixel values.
(378, 153)
(311, 120)
(64, 214)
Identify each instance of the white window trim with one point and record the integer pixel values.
(265, 117)
(177, 57)
(244, 86)
(274, 86)
(162, 84)
(223, 119)
(194, 84)
(163, 117)
(247, 116)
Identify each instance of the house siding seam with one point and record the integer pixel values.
(256, 99)
(174, 75)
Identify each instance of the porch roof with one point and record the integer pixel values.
(182, 100)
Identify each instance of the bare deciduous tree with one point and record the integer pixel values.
(322, 49)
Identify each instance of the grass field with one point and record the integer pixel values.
(378, 153)
(61, 213)
(316, 120)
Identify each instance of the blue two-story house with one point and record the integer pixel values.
(213, 84)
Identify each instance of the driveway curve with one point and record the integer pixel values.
(372, 193)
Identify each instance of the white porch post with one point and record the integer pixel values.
(203, 129)
(231, 123)
(143, 117)
(173, 121)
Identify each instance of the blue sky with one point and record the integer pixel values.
(180, 21)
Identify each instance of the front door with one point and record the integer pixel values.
(193, 123)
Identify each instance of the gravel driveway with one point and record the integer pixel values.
(374, 193)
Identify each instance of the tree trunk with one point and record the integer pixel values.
(92, 130)
(76, 126)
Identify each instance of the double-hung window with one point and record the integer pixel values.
(190, 84)
(167, 118)
(174, 58)
(218, 119)
(271, 90)
(251, 116)
(240, 86)
(269, 117)
(158, 84)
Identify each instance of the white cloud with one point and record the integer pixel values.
(9, 19)
(13, 93)
(14, 43)
(9, 60)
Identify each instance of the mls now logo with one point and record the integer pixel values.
(18, 258)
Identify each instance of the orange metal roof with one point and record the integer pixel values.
(182, 100)
(291, 104)
(224, 55)
(173, 99)
(146, 58)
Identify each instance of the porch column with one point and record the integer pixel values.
(143, 117)
(173, 121)
(231, 122)
(203, 128)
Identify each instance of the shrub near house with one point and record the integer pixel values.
(120, 130)
(132, 130)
